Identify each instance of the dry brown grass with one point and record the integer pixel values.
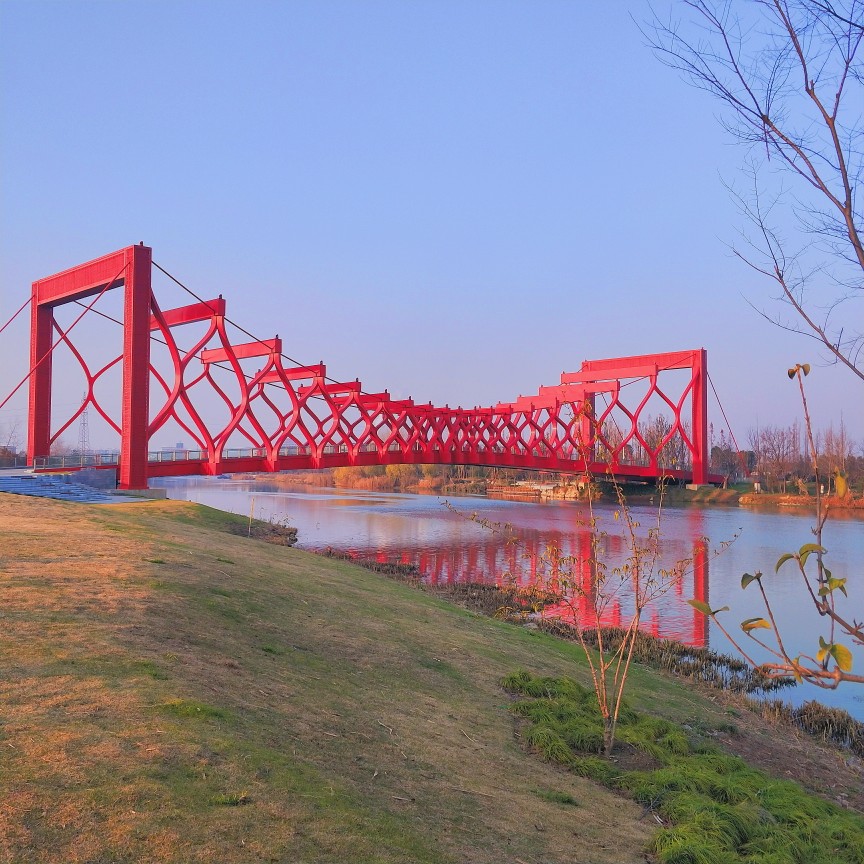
(172, 692)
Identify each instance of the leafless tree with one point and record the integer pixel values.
(790, 80)
(9, 437)
(780, 454)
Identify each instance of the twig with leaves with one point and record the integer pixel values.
(831, 664)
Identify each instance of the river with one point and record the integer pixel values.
(448, 545)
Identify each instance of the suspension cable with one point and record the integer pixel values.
(50, 351)
(23, 307)
(723, 412)
(291, 359)
(234, 323)
(162, 341)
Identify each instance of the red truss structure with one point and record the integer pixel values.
(283, 417)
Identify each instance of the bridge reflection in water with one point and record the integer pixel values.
(524, 558)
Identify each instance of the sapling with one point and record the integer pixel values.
(830, 664)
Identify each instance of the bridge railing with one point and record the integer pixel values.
(98, 460)
(176, 455)
(17, 461)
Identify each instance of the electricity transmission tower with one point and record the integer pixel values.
(84, 432)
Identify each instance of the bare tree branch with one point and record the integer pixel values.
(789, 76)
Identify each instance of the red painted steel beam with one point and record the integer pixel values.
(589, 376)
(41, 364)
(248, 349)
(73, 284)
(190, 314)
(631, 367)
(296, 373)
(699, 397)
(331, 389)
(81, 281)
(577, 392)
(129, 267)
(374, 398)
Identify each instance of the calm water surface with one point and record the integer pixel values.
(449, 547)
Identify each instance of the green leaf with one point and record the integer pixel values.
(705, 609)
(791, 372)
(782, 560)
(841, 655)
(834, 584)
(831, 585)
(806, 549)
(747, 578)
(805, 368)
(755, 624)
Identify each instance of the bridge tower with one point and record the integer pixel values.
(129, 268)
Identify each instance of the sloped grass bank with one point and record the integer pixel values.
(716, 809)
(174, 691)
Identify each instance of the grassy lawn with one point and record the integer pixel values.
(174, 692)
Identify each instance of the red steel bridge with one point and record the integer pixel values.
(247, 407)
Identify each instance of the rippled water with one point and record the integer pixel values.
(449, 547)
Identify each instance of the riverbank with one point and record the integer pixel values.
(530, 490)
(176, 691)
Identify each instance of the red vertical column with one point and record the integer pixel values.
(39, 415)
(700, 416)
(136, 370)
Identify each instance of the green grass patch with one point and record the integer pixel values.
(274, 650)
(230, 799)
(192, 708)
(557, 797)
(719, 810)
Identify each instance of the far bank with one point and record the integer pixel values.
(510, 485)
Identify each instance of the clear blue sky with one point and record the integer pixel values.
(455, 200)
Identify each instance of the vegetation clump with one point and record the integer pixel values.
(714, 809)
(830, 725)
(409, 572)
(719, 671)
(697, 663)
